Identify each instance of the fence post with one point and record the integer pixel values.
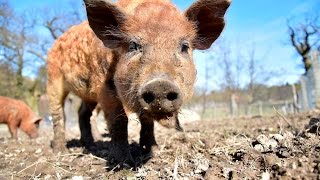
(316, 76)
(214, 110)
(305, 101)
(292, 108)
(295, 108)
(249, 109)
(285, 108)
(260, 108)
(234, 105)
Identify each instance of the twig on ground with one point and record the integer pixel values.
(282, 116)
(56, 166)
(35, 163)
(43, 161)
(176, 165)
(81, 154)
(163, 146)
(114, 168)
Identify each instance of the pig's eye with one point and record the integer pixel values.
(185, 47)
(134, 46)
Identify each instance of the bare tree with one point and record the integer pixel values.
(205, 89)
(252, 73)
(304, 37)
(258, 76)
(55, 23)
(23, 42)
(15, 35)
(231, 68)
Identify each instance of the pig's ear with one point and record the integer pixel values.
(37, 119)
(105, 19)
(208, 16)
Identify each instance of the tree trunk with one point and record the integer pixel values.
(19, 79)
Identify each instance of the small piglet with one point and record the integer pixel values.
(134, 58)
(16, 114)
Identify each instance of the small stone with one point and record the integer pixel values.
(288, 135)
(48, 176)
(202, 167)
(277, 137)
(262, 139)
(265, 176)
(271, 144)
(259, 147)
(283, 152)
(77, 178)
(294, 165)
(38, 151)
(227, 173)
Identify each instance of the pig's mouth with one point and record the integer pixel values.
(166, 119)
(33, 135)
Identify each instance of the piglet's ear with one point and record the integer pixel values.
(105, 19)
(37, 120)
(208, 16)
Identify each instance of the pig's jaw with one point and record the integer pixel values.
(165, 119)
(169, 121)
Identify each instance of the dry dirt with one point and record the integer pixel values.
(279, 147)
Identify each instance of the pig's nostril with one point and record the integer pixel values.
(171, 96)
(148, 97)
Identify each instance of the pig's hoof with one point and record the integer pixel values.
(58, 146)
(88, 143)
(121, 158)
(149, 152)
(148, 148)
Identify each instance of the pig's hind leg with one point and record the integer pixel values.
(57, 95)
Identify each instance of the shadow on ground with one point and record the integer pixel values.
(101, 149)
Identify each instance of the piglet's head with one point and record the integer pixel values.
(154, 41)
(31, 125)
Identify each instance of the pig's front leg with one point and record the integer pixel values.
(13, 130)
(85, 112)
(118, 127)
(147, 139)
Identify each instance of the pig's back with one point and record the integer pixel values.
(10, 109)
(82, 61)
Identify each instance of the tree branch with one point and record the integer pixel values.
(38, 54)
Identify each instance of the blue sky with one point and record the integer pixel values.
(264, 24)
(258, 22)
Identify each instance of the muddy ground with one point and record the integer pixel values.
(279, 147)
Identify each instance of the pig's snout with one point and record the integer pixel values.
(34, 135)
(160, 96)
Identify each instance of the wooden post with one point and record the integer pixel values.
(214, 110)
(260, 108)
(304, 93)
(316, 76)
(295, 99)
(234, 105)
(249, 110)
